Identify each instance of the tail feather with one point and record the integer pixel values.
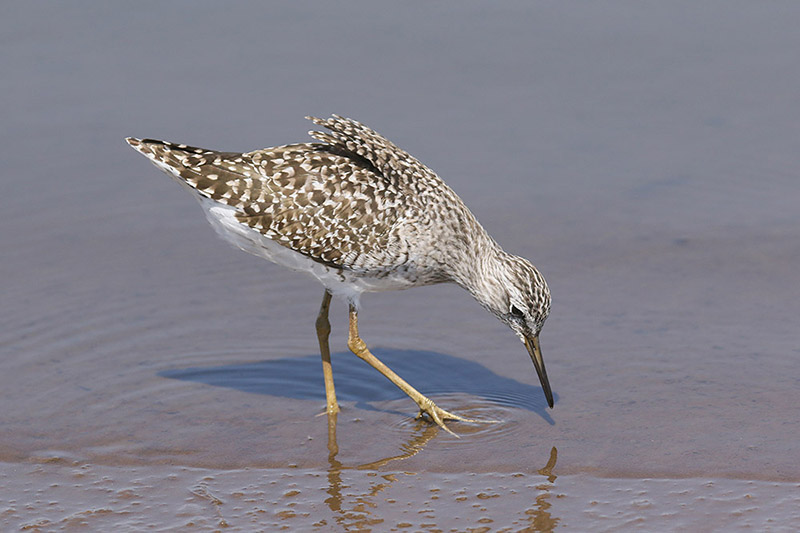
(227, 177)
(173, 155)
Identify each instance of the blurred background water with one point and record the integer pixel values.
(643, 156)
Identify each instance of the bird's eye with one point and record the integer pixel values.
(516, 313)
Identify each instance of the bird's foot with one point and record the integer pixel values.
(439, 415)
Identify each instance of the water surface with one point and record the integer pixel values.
(644, 157)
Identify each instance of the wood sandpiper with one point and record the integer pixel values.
(360, 215)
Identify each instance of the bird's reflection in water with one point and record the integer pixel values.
(359, 515)
(539, 516)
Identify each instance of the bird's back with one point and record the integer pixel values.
(354, 201)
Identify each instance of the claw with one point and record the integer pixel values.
(439, 415)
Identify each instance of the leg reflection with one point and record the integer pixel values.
(410, 448)
(334, 500)
(352, 509)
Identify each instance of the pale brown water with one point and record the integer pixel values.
(645, 158)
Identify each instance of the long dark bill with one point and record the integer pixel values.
(532, 344)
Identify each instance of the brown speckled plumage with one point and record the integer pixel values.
(370, 215)
(355, 201)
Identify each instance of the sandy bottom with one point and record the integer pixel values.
(59, 495)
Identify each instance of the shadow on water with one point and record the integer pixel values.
(430, 372)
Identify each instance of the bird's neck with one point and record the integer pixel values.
(481, 272)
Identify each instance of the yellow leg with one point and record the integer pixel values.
(323, 332)
(426, 406)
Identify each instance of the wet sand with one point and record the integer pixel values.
(154, 378)
(54, 496)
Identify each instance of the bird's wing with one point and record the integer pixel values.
(390, 161)
(326, 205)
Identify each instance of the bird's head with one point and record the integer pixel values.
(517, 294)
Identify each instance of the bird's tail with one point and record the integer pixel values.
(226, 177)
(174, 159)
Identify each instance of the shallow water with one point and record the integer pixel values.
(54, 495)
(645, 160)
